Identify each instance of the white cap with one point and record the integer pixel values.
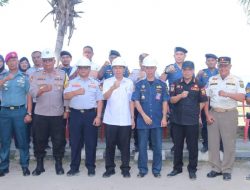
(118, 62)
(149, 61)
(83, 62)
(47, 53)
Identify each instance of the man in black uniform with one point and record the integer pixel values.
(186, 96)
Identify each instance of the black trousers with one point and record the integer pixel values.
(204, 128)
(120, 136)
(83, 132)
(45, 127)
(190, 133)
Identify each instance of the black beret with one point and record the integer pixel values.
(65, 53)
(209, 55)
(114, 52)
(180, 49)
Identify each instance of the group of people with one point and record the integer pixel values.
(48, 98)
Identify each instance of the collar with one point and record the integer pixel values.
(192, 81)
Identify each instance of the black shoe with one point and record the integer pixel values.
(126, 174)
(72, 172)
(108, 173)
(157, 175)
(226, 176)
(174, 173)
(39, 167)
(3, 172)
(38, 172)
(192, 175)
(204, 149)
(212, 174)
(58, 167)
(91, 173)
(140, 175)
(26, 171)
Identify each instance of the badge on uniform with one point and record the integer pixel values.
(205, 75)
(76, 85)
(158, 96)
(172, 88)
(203, 92)
(241, 84)
(92, 85)
(195, 88)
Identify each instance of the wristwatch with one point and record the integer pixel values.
(29, 113)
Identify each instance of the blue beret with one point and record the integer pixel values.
(180, 49)
(225, 60)
(188, 64)
(209, 55)
(114, 52)
(65, 53)
(1, 58)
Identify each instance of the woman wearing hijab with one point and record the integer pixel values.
(24, 64)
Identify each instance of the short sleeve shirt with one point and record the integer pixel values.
(186, 111)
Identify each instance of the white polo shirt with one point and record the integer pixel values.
(117, 110)
(231, 84)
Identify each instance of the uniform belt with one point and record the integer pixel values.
(12, 107)
(84, 110)
(221, 110)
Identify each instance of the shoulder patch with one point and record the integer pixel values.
(241, 84)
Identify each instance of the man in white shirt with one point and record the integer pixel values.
(118, 117)
(224, 90)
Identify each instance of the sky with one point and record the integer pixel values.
(133, 27)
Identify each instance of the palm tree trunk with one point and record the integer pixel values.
(60, 39)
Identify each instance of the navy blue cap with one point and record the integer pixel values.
(210, 55)
(224, 60)
(248, 90)
(114, 52)
(187, 64)
(65, 53)
(180, 49)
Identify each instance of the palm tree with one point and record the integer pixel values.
(246, 6)
(3, 2)
(63, 15)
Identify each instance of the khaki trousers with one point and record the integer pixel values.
(224, 127)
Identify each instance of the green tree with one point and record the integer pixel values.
(63, 12)
(246, 6)
(3, 2)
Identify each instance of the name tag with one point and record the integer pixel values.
(76, 85)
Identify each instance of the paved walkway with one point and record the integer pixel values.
(50, 181)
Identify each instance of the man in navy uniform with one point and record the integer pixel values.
(85, 116)
(150, 96)
(13, 115)
(106, 70)
(186, 98)
(172, 73)
(203, 77)
(66, 59)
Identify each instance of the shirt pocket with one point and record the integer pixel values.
(231, 88)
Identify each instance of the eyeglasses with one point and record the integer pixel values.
(48, 60)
